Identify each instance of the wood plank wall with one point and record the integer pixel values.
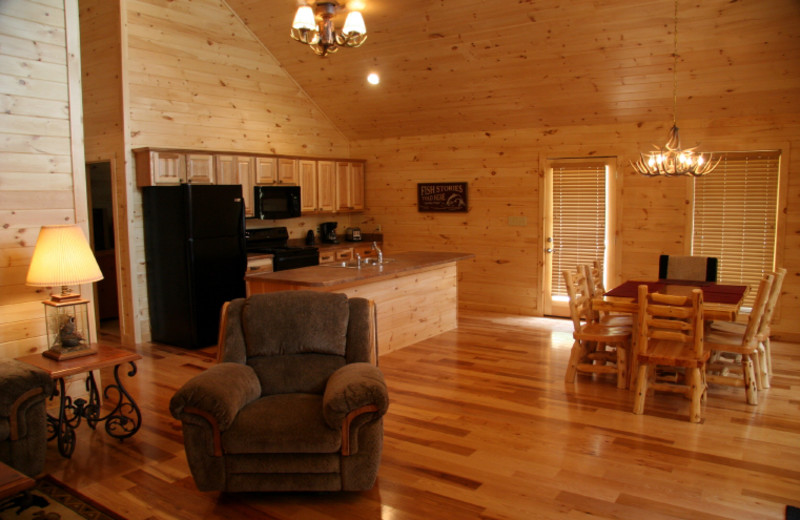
(40, 147)
(502, 169)
(194, 77)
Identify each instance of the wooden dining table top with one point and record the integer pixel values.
(720, 301)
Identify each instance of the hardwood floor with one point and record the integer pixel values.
(481, 425)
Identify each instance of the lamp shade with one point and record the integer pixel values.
(354, 24)
(62, 257)
(304, 19)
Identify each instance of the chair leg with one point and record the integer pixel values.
(762, 371)
(696, 389)
(622, 367)
(750, 388)
(768, 355)
(576, 355)
(641, 390)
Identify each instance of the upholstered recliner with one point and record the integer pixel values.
(296, 401)
(24, 390)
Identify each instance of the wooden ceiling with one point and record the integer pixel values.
(484, 65)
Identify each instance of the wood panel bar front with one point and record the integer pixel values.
(416, 294)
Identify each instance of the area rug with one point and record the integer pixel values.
(53, 500)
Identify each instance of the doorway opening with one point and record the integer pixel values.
(101, 230)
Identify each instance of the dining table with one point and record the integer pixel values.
(721, 302)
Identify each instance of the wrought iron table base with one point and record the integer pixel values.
(121, 422)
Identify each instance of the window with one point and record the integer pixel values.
(579, 218)
(735, 217)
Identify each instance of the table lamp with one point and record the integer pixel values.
(62, 257)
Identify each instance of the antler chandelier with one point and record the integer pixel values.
(670, 160)
(323, 37)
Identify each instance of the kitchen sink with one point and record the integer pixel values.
(353, 264)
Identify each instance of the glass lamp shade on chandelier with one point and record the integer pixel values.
(671, 160)
(321, 35)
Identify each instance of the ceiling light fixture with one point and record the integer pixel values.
(671, 160)
(323, 38)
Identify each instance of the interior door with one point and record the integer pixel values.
(577, 222)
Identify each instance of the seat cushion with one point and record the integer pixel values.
(285, 423)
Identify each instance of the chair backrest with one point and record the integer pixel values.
(772, 301)
(295, 340)
(580, 297)
(759, 305)
(594, 281)
(696, 268)
(671, 318)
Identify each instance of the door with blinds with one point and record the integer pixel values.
(576, 222)
(735, 217)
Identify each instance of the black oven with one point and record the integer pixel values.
(275, 202)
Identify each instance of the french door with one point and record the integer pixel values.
(577, 222)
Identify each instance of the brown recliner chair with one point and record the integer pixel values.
(24, 390)
(296, 402)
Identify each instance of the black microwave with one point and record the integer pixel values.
(274, 202)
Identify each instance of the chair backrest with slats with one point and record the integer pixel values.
(594, 281)
(756, 315)
(772, 302)
(671, 318)
(580, 298)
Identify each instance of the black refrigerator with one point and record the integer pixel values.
(196, 259)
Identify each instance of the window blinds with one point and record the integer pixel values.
(735, 217)
(579, 216)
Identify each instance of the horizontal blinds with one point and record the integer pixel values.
(735, 217)
(579, 209)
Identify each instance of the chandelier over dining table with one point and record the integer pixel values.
(671, 160)
(318, 31)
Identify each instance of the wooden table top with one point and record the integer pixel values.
(104, 357)
(720, 301)
(13, 482)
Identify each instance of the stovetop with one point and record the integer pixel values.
(274, 241)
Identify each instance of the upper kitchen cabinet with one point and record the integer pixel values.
(266, 170)
(166, 167)
(349, 186)
(154, 167)
(317, 183)
(238, 169)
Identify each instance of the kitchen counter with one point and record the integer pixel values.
(416, 293)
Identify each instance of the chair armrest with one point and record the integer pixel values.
(17, 379)
(354, 387)
(218, 393)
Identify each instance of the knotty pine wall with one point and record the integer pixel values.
(503, 171)
(41, 157)
(192, 76)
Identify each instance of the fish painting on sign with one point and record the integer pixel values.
(442, 197)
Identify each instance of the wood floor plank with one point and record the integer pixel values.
(482, 426)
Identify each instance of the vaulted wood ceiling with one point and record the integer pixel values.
(483, 65)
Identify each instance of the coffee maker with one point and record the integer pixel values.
(327, 232)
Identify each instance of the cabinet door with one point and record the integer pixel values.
(226, 169)
(357, 186)
(266, 170)
(167, 168)
(308, 186)
(200, 168)
(287, 170)
(245, 176)
(326, 186)
(342, 186)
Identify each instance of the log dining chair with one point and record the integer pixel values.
(695, 268)
(598, 348)
(764, 329)
(736, 355)
(594, 280)
(671, 335)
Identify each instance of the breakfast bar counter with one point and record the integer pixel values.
(416, 293)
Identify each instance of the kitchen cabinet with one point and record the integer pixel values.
(266, 170)
(156, 167)
(238, 169)
(200, 168)
(287, 170)
(365, 250)
(317, 186)
(349, 186)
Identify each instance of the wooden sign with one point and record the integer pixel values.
(442, 196)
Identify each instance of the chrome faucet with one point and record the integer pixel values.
(358, 260)
(380, 253)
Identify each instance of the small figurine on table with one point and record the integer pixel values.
(68, 334)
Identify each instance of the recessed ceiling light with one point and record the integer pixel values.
(373, 78)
